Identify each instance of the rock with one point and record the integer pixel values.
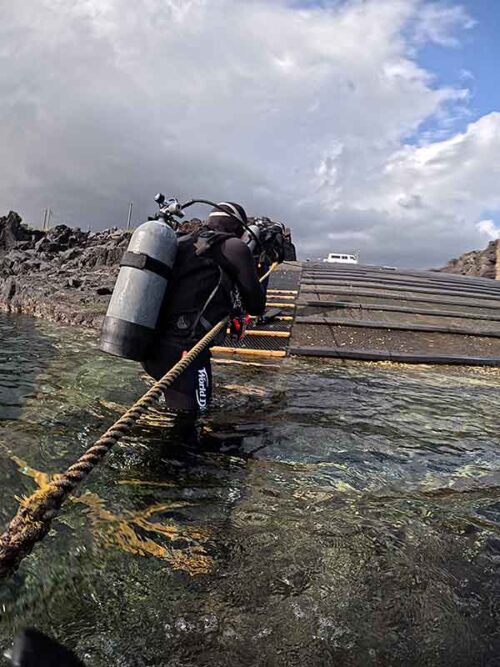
(9, 289)
(15, 256)
(12, 230)
(481, 263)
(68, 255)
(31, 265)
(42, 244)
(60, 234)
(23, 246)
(114, 256)
(65, 275)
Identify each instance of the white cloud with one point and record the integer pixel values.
(438, 22)
(300, 112)
(489, 229)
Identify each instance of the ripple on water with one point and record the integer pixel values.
(333, 513)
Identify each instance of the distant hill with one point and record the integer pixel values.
(483, 263)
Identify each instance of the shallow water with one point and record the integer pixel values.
(333, 513)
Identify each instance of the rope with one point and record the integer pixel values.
(35, 514)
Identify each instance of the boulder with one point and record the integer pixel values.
(12, 231)
(70, 254)
(481, 263)
(9, 289)
(104, 290)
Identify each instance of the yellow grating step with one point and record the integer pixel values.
(275, 334)
(272, 304)
(290, 297)
(247, 351)
(271, 339)
(269, 334)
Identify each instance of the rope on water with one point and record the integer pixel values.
(34, 516)
(33, 519)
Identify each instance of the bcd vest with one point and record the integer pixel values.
(200, 292)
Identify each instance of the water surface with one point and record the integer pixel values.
(334, 513)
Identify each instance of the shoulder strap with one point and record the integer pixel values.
(207, 239)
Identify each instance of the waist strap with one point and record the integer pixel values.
(139, 260)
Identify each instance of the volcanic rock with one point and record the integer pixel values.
(12, 231)
(63, 274)
(481, 263)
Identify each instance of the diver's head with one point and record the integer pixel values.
(231, 219)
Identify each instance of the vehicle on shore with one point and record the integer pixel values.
(341, 258)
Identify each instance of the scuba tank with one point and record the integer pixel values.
(129, 328)
(251, 237)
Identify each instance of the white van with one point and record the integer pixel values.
(341, 259)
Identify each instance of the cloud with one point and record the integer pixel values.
(308, 113)
(438, 23)
(489, 229)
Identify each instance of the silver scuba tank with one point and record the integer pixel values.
(251, 236)
(130, 324)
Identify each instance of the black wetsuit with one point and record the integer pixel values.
(200, 294)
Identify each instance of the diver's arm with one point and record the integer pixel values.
(241, 266)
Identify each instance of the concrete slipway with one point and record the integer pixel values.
(378, 313)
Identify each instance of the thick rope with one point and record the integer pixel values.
(34, 517)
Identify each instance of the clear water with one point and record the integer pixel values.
(333, 514)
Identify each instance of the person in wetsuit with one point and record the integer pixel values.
(210, 264)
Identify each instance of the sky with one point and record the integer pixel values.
(364, 125)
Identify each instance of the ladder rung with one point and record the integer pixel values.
(281, 296)
(269, 332)
(248, 352)
(280, 305)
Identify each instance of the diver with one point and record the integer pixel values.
(214, 275)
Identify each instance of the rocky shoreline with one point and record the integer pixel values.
(67, 275)
(480, 263)
(64, 275)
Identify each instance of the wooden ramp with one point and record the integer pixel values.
(375, 313)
